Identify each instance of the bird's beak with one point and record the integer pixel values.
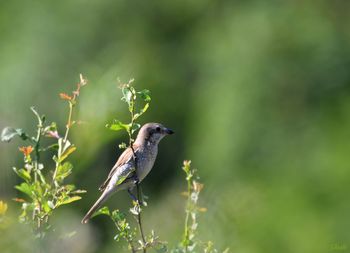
(168, 131)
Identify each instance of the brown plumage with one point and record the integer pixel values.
(123, 159)
(123, 175)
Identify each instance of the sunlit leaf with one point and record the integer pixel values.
(37, 189)
(142, 111)
(25, 188)
(127, 95)
(8, 133)
(46, 207)
(116, 125)
(24, 174)
(79, 191)
(117, 215)
(145, 95)
(122, 145)
(63, 171)
(66, 153)
(68, 200)
(69, 187)
(104, 210)
(51, 204)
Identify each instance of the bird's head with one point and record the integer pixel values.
(153, 133)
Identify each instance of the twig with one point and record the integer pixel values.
(69, 123)
(36, 161)
(133, 250)
(131, 142)
(187, 215)
(139, 218)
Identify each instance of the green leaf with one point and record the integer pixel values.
(104, 210)
(8, 133)
(135, 127)
(25, 188)
(46, 207)
(67, 200)
(66, 153)
(145, 95)
(69, 187)
(51, 127)
(117, 215)
(63, 171)
(37, 189)
(24, 174)
(122, 145)
(142, 111)
(54, 146)
(79, 191)
(51, 204)
(117, 125)
(127, 95)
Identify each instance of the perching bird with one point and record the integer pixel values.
(124, 175)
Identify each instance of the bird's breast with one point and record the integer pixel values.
(145, 162)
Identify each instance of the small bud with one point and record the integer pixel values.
(19, 200)
(65, 96)
(83, 81)
(197, 186)
(52, 134)
(187, 163)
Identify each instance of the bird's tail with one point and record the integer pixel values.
(96, 206)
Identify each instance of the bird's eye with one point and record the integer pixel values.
(158, 129)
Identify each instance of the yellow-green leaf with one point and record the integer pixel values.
(68, 200)
(23, 174)
(66, 153)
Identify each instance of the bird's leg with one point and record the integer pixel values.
(139, 199)
(132, 195)
(135, 179)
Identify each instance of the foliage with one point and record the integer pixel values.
(189, 242)
(43, 187)
(124, 230)
(136, 108)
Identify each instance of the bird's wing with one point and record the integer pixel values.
(118, 168)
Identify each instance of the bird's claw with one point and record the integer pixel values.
(135, 179)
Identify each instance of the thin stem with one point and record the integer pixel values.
(129, 241)
(69, 122)
(36, 164)
(186, 236)
(139, 221)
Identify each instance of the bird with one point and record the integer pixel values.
(125, 175)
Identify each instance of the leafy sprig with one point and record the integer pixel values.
(138, 104)
(44, 189)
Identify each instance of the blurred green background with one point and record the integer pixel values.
(258, 93)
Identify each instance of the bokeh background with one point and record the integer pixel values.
(258, 93)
